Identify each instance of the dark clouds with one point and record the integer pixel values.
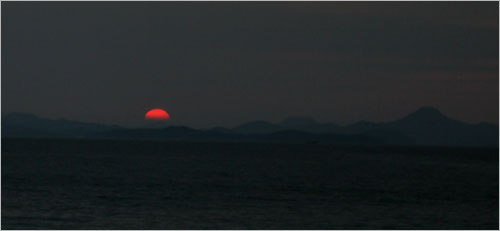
(223, 63)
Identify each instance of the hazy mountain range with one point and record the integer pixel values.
(426, 126)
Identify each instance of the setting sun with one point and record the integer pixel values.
(157, 114)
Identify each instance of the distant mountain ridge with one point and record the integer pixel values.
(28, 125)
(427, 127)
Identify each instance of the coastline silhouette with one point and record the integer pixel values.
(425, 127)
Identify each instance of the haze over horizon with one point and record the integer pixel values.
(225, 63)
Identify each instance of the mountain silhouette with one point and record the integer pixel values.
(308, 124)
(258, 127)
(299, 122)
(28, 125)
(426, 126)
(423, 114)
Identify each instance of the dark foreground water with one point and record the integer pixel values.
(54, 184)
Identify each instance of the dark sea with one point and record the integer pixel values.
(83, 184)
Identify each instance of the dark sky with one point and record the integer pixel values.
(225, 63)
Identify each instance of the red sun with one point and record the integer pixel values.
(157, 114)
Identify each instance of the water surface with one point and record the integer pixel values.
(77, 184)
